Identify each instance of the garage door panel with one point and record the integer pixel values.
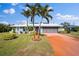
(50, 30)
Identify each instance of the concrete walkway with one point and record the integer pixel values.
(63, 45)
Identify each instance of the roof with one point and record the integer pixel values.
(37, 25)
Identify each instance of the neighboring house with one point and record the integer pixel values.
(45, 28)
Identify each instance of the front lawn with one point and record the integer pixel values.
(75, 34)
(24, 45)
(7, 36)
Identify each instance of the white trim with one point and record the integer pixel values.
(37, 25)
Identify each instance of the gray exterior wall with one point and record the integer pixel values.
(49, 30)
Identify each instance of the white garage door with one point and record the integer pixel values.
(50, 30)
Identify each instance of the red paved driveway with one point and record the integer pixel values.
(63, 45)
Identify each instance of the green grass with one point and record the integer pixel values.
(7, 36)
(24, 45)
(75, 34)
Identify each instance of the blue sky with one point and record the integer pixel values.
(63, 12)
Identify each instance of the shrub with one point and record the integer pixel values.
(32, 32)
(5, 28)
(30, 28)
(63, 32)
(75, 29)
(7, 36)
(67, 30)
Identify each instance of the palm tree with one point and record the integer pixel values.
(33, 12)
(37, 9)
(26, 13)
(44, 13)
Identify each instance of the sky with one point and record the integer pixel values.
(10, 13)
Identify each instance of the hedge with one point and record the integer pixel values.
(7, 36)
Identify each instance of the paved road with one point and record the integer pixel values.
(63, 45)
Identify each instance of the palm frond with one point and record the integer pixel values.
(49, 16)
(50, 10)
(28, 5)
(46, 6)
(23, 13)
(37, 4)
(37, 14)
(47, 19)
(26, 13)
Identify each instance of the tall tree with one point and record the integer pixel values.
(44, 12)
(5, 28)
(33, 12)
(38, 9)
(66, 26)
(26, 13)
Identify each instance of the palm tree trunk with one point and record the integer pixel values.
(27, 26)
(33, 28)
(33, 24)
(32, 19)
(40, 27)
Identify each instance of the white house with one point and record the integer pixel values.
(45, 28)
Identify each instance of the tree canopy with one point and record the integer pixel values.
(4, 28)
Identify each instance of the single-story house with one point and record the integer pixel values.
(45, 28)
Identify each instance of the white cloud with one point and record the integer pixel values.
(6, 11)
(9, 11)
(50, 8)
(4, 22)
(66, 17)
(12, 10)
(14, 4)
